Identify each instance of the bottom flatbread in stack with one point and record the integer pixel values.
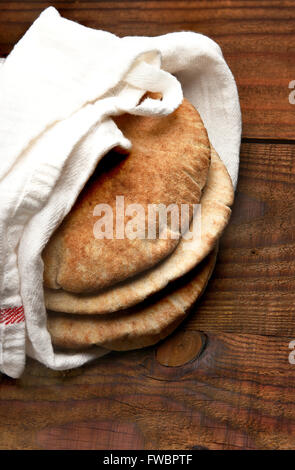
(137, 327)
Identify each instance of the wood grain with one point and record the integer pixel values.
(238, 394)
(257, 39)
(253, 287)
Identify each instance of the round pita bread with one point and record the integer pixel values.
(138, 327)
(215, 202)
(168, 164)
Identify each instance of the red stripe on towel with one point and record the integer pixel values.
(9, 316)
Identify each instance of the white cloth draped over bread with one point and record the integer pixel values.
(58, 88)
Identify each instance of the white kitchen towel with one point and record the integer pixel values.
(58, 88)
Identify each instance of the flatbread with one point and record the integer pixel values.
(168, 164)
(215, 202)
(138, 327)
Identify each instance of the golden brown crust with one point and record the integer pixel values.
(168, 163)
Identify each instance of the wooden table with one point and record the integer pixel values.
(239, 392)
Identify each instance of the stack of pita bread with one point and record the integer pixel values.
(127, 293)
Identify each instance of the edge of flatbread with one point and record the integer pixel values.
(140, 326)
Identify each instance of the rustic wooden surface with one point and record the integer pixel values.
(236, 387)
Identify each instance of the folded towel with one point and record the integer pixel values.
(58, 88)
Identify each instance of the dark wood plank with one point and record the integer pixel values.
(253, 286)
(257, 38)
(238, 394)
